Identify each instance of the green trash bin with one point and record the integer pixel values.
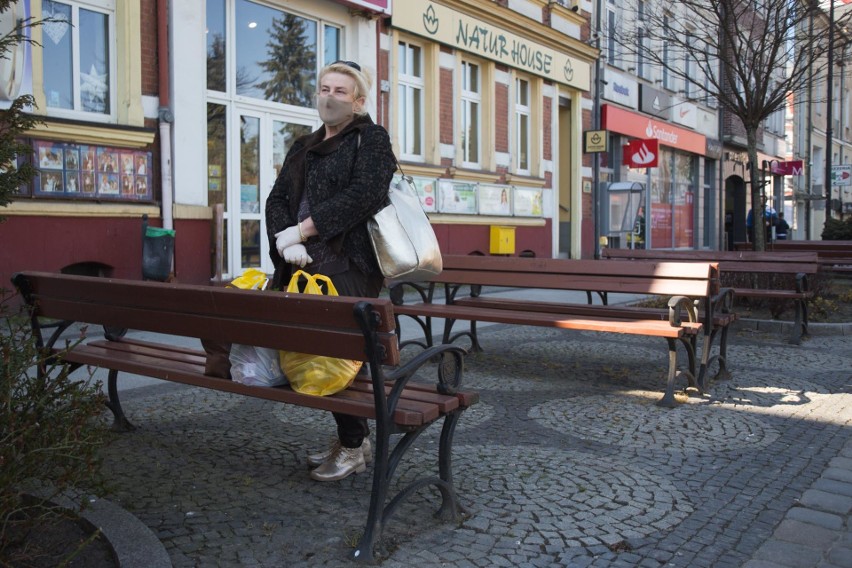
(158, 248)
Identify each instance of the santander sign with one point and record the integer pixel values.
(635, 125)
(667, 136)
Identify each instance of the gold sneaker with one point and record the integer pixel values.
(320, 458)
(342, 463)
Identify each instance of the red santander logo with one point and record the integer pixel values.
(642, 153)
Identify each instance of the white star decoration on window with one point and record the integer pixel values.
(93, 90)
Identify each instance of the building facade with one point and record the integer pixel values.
(501, 110)
(95, 84)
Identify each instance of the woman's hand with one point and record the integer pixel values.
(297, 254)
(287, 238)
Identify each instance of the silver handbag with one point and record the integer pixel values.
(403, 239)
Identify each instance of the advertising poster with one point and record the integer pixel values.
(457, 197)
(495, 199)
(527, 202)
(426, 191)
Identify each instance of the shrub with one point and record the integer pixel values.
(836, 230)
(51, 430)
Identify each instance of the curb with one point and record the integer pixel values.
(786, 327)
(134, 544)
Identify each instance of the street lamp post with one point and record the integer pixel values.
(596, 168)
(829, 134)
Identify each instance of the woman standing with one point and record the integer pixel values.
(330, 184)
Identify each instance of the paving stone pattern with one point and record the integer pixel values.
(567, 461)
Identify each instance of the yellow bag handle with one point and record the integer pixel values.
(312, 286)
(251, 279)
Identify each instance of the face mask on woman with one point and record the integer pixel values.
(333, 111)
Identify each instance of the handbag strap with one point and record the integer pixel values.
(396, 161)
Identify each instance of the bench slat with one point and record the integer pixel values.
(343, 342)
(228, 303)
(568, 281)
(613, 325)
(580, 309)
(408, 413)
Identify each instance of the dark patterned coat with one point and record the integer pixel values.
(346, 183)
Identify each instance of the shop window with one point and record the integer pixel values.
(471, 113)
(79, 51)
(217, 174)
(217, 46)
(278, 53)
(410, 100)
(523, 112)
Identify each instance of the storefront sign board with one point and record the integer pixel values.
(480, 38)
(636, 125)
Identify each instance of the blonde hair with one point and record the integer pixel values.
(363, 79)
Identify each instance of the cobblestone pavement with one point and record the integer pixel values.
(567, 461)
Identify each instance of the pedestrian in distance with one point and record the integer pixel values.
(782, 228)
(331, 183)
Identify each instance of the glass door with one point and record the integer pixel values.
(262, 141)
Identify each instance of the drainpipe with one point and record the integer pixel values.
(165, 114)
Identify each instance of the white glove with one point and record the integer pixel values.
(297, 254)
(287, 238)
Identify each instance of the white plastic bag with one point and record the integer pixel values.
(256, 366)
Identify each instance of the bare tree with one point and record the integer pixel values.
(748, 56)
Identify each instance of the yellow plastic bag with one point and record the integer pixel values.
(252, 279)
(313, 374)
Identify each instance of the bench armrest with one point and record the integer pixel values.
(397, 292)
(802, 282)
(450, 368)
(677, 304)
(723, 302)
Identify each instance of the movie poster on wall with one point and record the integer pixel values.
(457, 197)
(74, 170)
(495, 199)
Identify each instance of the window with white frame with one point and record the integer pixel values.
(79, 56)
(712, 64)
(642, 41)
(523, 112)
(690, 74)
(612, 51)
(667, 60)
(471, 113)
(818, 94)
(410, 94)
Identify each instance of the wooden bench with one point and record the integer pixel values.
(833, 257)
(352, 328)
(793, 269)
(683, 283)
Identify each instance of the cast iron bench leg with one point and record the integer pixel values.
(425, 325)
(668, 400)
(800, 326)
(120, 422)
(450, 337)
(451, 508)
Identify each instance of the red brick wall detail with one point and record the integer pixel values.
(148, 31)
(547, 129)
(502, 117)
(446, 106)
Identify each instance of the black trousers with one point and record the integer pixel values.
(351, 430)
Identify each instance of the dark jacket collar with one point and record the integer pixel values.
(316, 145)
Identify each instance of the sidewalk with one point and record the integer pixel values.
(565, 462)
